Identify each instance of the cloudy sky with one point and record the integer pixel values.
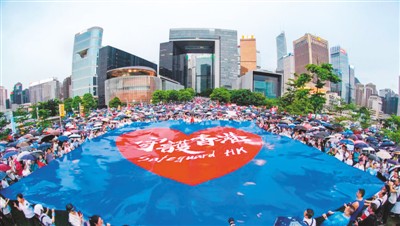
(37, 37)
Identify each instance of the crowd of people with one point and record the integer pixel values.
(363, 149)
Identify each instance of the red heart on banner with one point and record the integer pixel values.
(190, 159)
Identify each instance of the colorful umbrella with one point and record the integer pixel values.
(4, 167)
(9, 154)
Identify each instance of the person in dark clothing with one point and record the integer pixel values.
(368, 218)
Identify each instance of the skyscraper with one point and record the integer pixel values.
(248, 54)
(352, 84)
(84, 61)
(66, 88)
(288, 70)
(310, 49)
(44, 90)
(3, 98)
(112, 58)
(360, 94)
(370, 89)
(281, 51)
(389, 101)
(340, 64)
(221, 44)
(25, 96)
(16, 97)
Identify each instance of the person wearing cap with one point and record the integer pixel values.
(74, 218)
(43, 217)
(26, 207)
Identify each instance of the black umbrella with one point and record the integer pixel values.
(374, 157)
(300, 128)
(321, 134)
(44, 146)
(47, 138)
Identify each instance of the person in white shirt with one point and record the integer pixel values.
(6, 210)
(43, 217)
(74, 218)
(308, 218)
(26, 207)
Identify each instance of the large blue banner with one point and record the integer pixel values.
(175, 173)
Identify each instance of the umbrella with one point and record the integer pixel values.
(328, 126)
(28, 157)
(75, 131)
(387, 144)
(322, 134)
(374, 157)
(360, 145)
(346, 141)
(371, 138)
(9, 154)
(284, 122)
(301, 128)
(75, 136)
(37, 153)
(12, 144)
(353, 137)
(2, 175)
(383, 154)
(47, 138)
(20, 155)
(63, 138)
(27, 148)
(96, 128)
(394, 167)
(44, 146)
(67, 133)
(4, 167)
(22, 144)
(283, 125)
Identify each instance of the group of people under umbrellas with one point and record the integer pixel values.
(363, 149)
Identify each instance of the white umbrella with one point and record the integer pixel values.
(74, 136)
(105, 119)
(98, 124)
(22, 154)
(67, 133)
(383, 154)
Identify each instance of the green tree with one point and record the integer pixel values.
(158, 96)
(75, 103)
(68, 105)
(270, 102)
(192, 92)
(241, 97)
(89, 103)
(296, 100)
(172, 95)
(185, 95)
(115, 102)
(206, 93)
(321, 73)
(258, 99)
(221, 94)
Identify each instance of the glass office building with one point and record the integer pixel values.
(112, 58)
(281, 50)
(262, 81)
(84, 62)
(340, 64)
(221, 44)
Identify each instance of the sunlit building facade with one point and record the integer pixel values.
(84, 61)
(135, 84)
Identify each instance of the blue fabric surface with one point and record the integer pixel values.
(97, 179)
